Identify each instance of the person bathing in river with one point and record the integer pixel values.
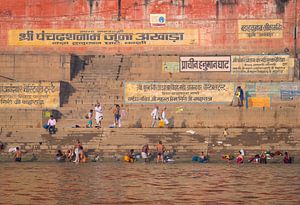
(129, 157)
(240, 158)
(18, 155)
(263, 158)
(77, 150)
(145, 153)
(203, 157)
(160, 148)
(287, 159)
(69, 154)
(82, 157)
(60, 156)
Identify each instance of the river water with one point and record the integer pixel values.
(139, 183)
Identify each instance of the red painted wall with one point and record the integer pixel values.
(216, 23)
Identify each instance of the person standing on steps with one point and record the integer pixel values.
(155, 116)
(98, 115)
(164, 117)
(89, 116)
(241, 97)
(117, 116)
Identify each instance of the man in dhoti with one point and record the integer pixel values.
(98, 115)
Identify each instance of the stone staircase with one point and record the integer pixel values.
(100, 81)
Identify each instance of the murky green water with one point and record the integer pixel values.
(122, 183)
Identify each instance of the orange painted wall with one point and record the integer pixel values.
(216, 24)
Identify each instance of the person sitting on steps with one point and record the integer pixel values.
(51, 125)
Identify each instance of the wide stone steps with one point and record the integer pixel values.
(117, 141)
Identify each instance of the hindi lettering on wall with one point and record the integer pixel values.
(260, 64)
(205, 63)
(289, 90)
(29, 95)
(102, 37)
(178, 92)
(258, 29)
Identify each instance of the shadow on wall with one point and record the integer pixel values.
(66, 90)
(78, 64)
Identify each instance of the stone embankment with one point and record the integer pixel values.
(195, 127)
(186, 142)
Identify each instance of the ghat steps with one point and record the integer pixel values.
(186, 142)
(100, 81)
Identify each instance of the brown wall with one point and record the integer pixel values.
(19, 119)
(28, 67)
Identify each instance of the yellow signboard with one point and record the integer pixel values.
(178, 92)
(102, 37)
(257, 29)
(259, 102)
(260, 64)
(29, 95)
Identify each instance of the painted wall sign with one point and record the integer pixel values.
(262, 89)
(289, 90)
(257, 29)
(205, 63)
(259, 102)
(103, 37)
(260, 64)
(29, 95)
(158, 19)
(178, 92)
(259, 94)
(170, 67)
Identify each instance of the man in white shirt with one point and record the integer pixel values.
(164, 117)
(155, 116)
(51, 124)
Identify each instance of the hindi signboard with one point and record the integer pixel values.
(178, 92)
(29, 95)
(258, 29)
(102, 37)
(289, 90)
(205, 63)
(260, 64)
